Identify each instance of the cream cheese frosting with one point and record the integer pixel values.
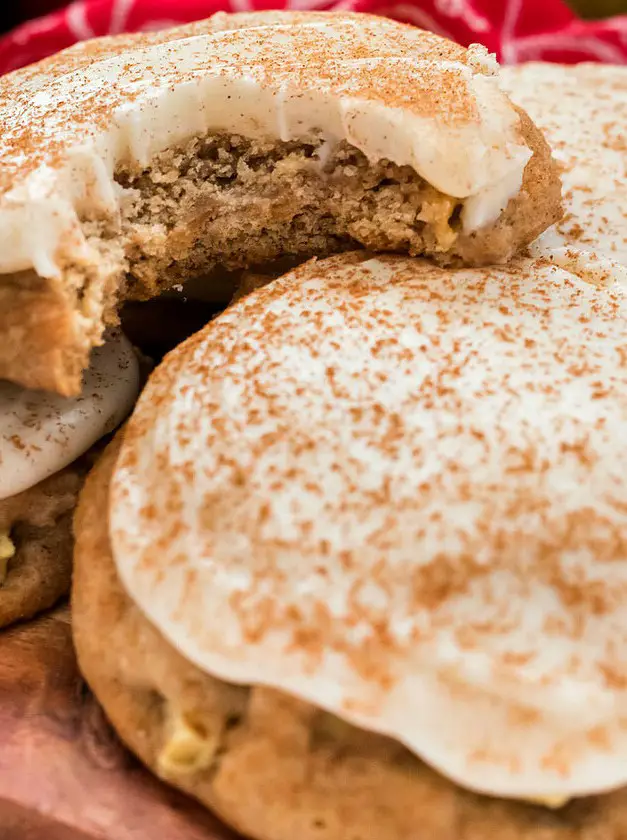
(583, 112)
(390, 90)
(41, 433)
(398, 492)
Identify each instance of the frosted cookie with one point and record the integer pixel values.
(43, 441)
(131, 164)
(364, 566)
(583, 112)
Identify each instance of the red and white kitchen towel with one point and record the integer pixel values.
(516, 30)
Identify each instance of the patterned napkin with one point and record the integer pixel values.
(517, 30)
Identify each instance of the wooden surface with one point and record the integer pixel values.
(63, 774)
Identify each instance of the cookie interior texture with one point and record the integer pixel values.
(225, 201)
(271, 766)
(36, 527)
(228, 200)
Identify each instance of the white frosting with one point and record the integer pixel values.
(40, 433)
(583, 113)
(398, 492)
(391, 91)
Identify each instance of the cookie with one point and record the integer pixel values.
(259, 137)
(361, 495)
(582, 110)
(271, 766)
(47, 443)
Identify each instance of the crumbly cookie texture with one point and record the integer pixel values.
(36, 545)
(271, 766)
(224, 199)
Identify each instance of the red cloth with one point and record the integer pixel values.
(517, 30)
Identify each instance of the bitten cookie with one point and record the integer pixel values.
(132, 164)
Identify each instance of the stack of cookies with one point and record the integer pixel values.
(356, 566)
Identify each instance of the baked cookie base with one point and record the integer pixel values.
(273, 767)
(40, 524)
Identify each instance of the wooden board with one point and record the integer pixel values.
(63, 773)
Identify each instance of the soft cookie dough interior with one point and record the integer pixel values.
(226, 200)
(307, 136)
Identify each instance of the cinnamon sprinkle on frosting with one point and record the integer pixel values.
(401, 488)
